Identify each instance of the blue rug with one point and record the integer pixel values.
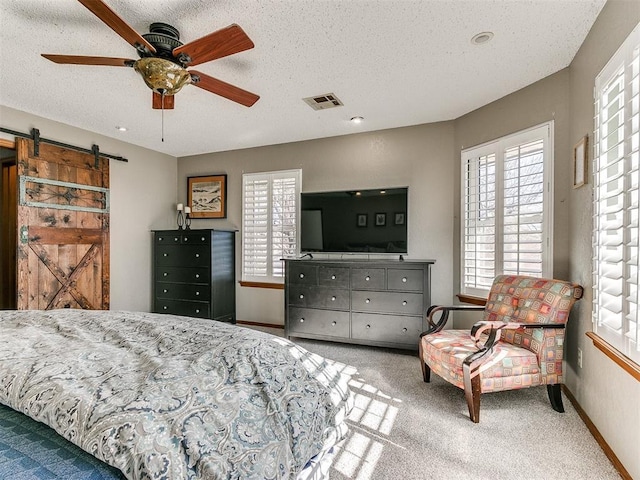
(30, 450)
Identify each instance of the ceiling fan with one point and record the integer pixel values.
(164, 59)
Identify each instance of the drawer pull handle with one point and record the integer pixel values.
(404, 279)
(197, 310)
(197, 293)
(160, 239)
(165, 254)
(404, 302)
(302, 320)
(202, 238)
(197, 255)
(165, 290)
(367, 300)
(333, 277)
(368, 326)
(404, 330)
(302, 275)
(186, 239)
(334, 323)
(197, 275)
(165, 274)
(164, 308)
(333, 299)
(301, 295)
(367, 278)
(175, 239)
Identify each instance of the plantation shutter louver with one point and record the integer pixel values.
(284, 222)
(523, 209)
(270, 223)
(479, 235)
(507, 211)
(616, 210)
(254, 229)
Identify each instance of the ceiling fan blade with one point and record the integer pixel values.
(225, 90)
(221, 43)
(169, 102)
(117, 24)
(82, 60)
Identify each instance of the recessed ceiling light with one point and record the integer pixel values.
(357, 119)
(121, 129)
(482, 38)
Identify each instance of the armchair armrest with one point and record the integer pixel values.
(474, 360)
(480, 327)
(444, 316)
(484, 325)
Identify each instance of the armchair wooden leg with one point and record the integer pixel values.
(472, 393)
(426, 371)
(555, 396)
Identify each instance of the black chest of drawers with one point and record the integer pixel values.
(194, 273)
(380, 303)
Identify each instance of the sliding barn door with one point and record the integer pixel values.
(63, 228)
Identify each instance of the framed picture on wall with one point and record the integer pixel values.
(207, 196)
(580, 155)
(361, 219)
(398, 218)
(381, 219)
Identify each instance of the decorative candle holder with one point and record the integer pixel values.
(180, 218)
(187, 218)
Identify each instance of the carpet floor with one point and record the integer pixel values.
(402, 428)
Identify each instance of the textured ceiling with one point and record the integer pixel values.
(395, 63)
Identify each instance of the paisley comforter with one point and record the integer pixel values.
(169, 397)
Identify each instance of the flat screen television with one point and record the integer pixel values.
(355, 221)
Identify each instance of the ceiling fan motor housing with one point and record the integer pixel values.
(165, 38)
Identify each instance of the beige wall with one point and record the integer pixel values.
(419, 157)
(610, 396)
(544, 101)
(142, 197)
(541, 102)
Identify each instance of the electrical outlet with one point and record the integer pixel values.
(580, 357)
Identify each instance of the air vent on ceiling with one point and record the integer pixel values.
(322, 102)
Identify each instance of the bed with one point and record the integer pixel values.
(170, 397)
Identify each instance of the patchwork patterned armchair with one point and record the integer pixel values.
(518, 343)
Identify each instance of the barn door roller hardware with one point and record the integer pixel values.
(37, 139)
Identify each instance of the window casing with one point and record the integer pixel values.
(616, 265)
(270, 223)
(507, 209)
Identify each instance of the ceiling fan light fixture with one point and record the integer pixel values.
(161, 75)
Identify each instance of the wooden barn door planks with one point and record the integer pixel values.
(63, 228)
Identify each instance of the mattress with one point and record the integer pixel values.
(161, 396)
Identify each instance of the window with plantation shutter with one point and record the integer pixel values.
(270, 221)
(615, 234)
(506, 209)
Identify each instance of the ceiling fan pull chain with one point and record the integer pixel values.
(162, 108)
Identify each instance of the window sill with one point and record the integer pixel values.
(627, 364)
(473, 300)
(276, 286)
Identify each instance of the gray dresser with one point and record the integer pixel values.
(371, 302)
(194, 273)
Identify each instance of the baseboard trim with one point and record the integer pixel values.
(597, 435)
(259, 324)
